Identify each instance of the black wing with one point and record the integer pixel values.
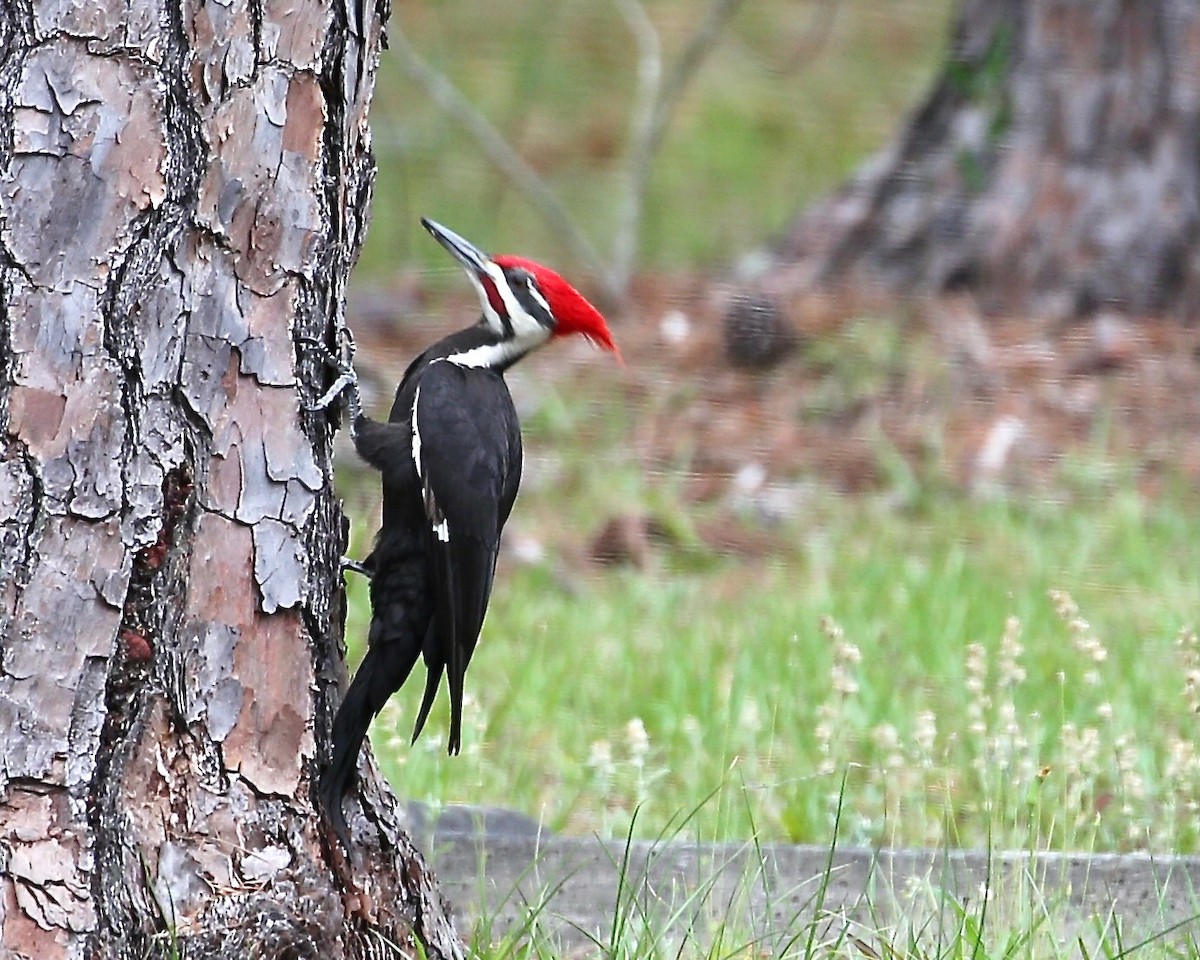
(467, 450)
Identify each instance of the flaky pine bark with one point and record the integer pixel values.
(1053, 169)
(183, 187)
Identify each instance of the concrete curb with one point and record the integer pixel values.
(499, 867)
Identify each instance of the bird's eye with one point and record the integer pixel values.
(529, 282)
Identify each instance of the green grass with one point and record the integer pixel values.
(592, 695)
(735, 905)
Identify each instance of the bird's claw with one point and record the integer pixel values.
(356, 566)
(343, 363)
(345, 381)
(343, 360)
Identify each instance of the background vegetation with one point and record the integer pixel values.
(794, 96)
(1017, 669)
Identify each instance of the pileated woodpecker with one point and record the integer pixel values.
(450, 456)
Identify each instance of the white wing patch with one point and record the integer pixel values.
(416, 436)
(438, 522)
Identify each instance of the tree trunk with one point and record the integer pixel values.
(183, 188)
(1054, 169)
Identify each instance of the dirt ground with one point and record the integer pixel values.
(934, 389)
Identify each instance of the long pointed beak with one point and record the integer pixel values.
(465, 252)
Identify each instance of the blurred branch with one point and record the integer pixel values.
(812, 42)
(801, 52)
(447, 97)
(642, 137)
(654, 102)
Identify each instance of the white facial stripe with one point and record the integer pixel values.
(537, 295)
(493, 319)
(442, 531)
(522, 323)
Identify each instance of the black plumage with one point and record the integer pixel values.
(450, 462)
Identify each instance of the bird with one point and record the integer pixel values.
(450, 458)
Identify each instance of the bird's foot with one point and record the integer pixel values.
(357, 567)
(347, 381)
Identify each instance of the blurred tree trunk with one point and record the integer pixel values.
(1053, 169)
(183, 188)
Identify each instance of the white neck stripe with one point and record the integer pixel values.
(498, 354)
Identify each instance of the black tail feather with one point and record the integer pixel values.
(382, 672)
(349, 730)
(454, 743)
(433, 678)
